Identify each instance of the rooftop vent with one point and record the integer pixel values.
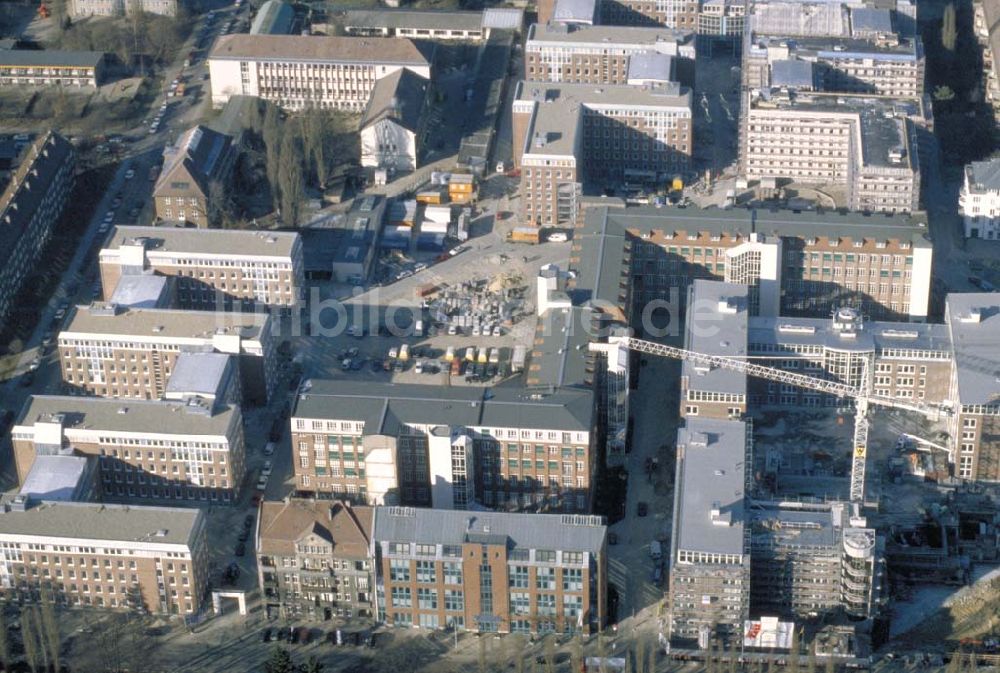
(974, 315)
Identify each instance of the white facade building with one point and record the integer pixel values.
(979, 200)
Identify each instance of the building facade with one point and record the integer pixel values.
(313, 559)
(490, 572)
(111, 351)
(979, 200)
(571, 138)
(81, 8)
(445, 447)
(146, 450)
(213, 269)
(29, 209)
(33, 67)
(297, 72)
(152, 559)
(196, 172)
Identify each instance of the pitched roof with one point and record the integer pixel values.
(283, 523)
(984, 176)
(399, 97)
(319, 49)
(198, 158)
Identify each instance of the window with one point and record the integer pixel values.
(545, 556)
(454, 601)
(452, 573)
(426, 550)
(546, 605)
(426, 572)
(520, 603)
(401, 597)
(399, 570)
(427, 599)
(572, 579)
(519, 577)
(572, 605)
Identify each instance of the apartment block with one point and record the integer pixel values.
(979, 199)
(862, 146)
(113, 351)
(213, 269)
(82, 8)
(313, 559)
(444, 447)
(29, 208)
(298, 72)
(808, 559)
(97, 555)
(710, 547)
(572, 138)
(198, 164)
(490, 572)
(596, 54)
(974, 390)
(162, 450)
(797, 264)
(36, 67)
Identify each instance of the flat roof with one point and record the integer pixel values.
(974, 321)
(319, 49)
(777, 527)
(785, 223)
(420, 19)
(162, 323)
(54, 477)
(843, 48)
(222, 242)
(103, 521)
(575, 10)
(199, 374)
(564, 532)
(983, 176)
(142, 290)
(711, 465)
(45, 57)
(138, 416)
(386, 407)
(560, 356)
(605, 37)
(876, 336)
(711, 329)
(651, 67)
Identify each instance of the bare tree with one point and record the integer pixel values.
(4, 645)
(272, 142)
(290, 178)
(51, 637)
(30, 640)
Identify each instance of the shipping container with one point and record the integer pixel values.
(432, 196)
(439, 214)
(525, 235)
(518, 358)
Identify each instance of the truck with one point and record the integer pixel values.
(425, 290)
(528, 235)
(494, 356)
(518, 358)
(404, 352)
(655, 550)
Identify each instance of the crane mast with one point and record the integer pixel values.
(861, 394)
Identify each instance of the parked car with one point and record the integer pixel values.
(269, 449)
(642, 509)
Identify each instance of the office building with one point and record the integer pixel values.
(192, 185)
(83, 8)
(596, 54)
(979, 199)
(490, 572)
(112, 351)
(863, 147)
(297, 72)
(430, 24)
(146, 450)
(798, 264)
(710, 545)
(570, 139)
(986, 25)
(29, 209)
(313, 559)
(392, 126)
(43, 67)
(96, 555)
(212, 269)
(974, 390)
(445, 447)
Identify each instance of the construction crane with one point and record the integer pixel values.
(860, 394)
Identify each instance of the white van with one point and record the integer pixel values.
(655, 550)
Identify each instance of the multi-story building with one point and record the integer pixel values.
(160, 450)
(572, 138)
(98, 555)
(111, 351)
(195, 175)
(986, 23)
(490, 572)
(430, 24)
(974, 390)
(29, 208)
(809, 559)
(680, 14)
(722, 20)
(313, 559)
(122, 7)
(596, 54)
(710, 546)
(297, 72)
(863, 146)
(979, 199)
(35, 67)
(213, 269)
(392, 126)
(801, 263)
(445, 447)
